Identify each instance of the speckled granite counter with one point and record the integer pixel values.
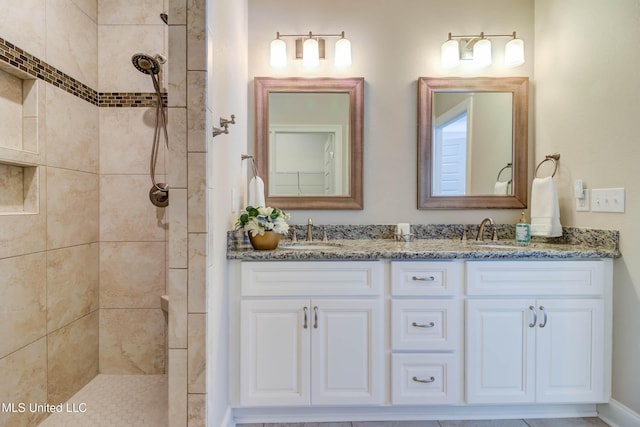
(575, 244)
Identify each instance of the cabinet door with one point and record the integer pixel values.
(347, 352)
(570, 351)
(500, 351)
(274, 349)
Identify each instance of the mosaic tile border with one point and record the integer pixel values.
(17, 58)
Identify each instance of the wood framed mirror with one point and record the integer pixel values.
(472, 142)
(308, 141)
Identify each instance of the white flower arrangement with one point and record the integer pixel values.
(257, 220)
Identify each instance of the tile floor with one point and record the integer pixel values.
(556, 422)
(116, 401)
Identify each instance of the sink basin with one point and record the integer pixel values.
(497, 245)
(310, 246)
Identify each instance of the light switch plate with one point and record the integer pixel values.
(607, 200)
(582, 204)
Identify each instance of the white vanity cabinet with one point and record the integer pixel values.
(426, 331)
(311, 333)
(536, 332)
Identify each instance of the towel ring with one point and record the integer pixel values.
(509, 165)
(550, 158)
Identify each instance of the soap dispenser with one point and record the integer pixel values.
(523, 230)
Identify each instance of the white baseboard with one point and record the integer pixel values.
(228, 418)
(411, 413)
(616, 414)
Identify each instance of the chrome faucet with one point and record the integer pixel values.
(494, 233)
(309, 235)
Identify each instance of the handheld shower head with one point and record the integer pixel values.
(145, 64)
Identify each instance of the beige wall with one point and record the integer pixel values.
(587, 106)
(393, 44)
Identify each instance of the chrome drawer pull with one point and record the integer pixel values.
(430, 380)
(423, 278)
(315, 317)
(535, 317)
(306, 318)
(419, 325)
(544, 319)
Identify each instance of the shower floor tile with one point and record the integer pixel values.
(115, 400)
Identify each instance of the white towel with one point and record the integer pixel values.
(545, 211)
(256, 192)
(501, 188)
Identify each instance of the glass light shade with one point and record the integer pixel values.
(514, 53)
(450, 54)
(310, 53)
(342, 53)
(278, 55)
(482, 53)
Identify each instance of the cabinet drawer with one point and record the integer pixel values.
(424, 379)
(535, 277)
(425, 324)
(319, 278)
(425, 278)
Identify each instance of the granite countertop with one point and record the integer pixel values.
(366, 249)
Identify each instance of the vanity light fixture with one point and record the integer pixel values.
(477, 47)
(310, 48)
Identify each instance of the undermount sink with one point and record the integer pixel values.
(496, 245)
(310, 246)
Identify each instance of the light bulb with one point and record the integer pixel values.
(278, 56)
(514, 53)
(482, 53)
(310, 53)
(450, 54)
(342, 53)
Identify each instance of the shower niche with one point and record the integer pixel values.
(21, 120)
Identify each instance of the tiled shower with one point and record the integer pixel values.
(84, 255)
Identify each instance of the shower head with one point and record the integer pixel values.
(145, 64)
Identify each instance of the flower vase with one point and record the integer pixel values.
(267, 241)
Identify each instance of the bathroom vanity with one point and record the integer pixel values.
(431, 329)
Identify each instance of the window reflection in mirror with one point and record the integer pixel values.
(472, 142)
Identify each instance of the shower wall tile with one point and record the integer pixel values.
(177, 65)
(72, 284)
(24, 379)
(196, 104)
(177, 159)
(196, 192)
(177, 12)
(72, 208)
(72, 358)
(196, 35)
(116, 45)
(25, 233)
(126, 214)
(22, 301)
(132, 274)
(25, 26)
(197, 272)
(196, 353)
(72, 131)
(177, 290)
(132, 341)
(71, 41)
(89, 7)
(139, 12)
(126, 141)
(177, 378)
(10, 110)
(197, 410)
(178, 236)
